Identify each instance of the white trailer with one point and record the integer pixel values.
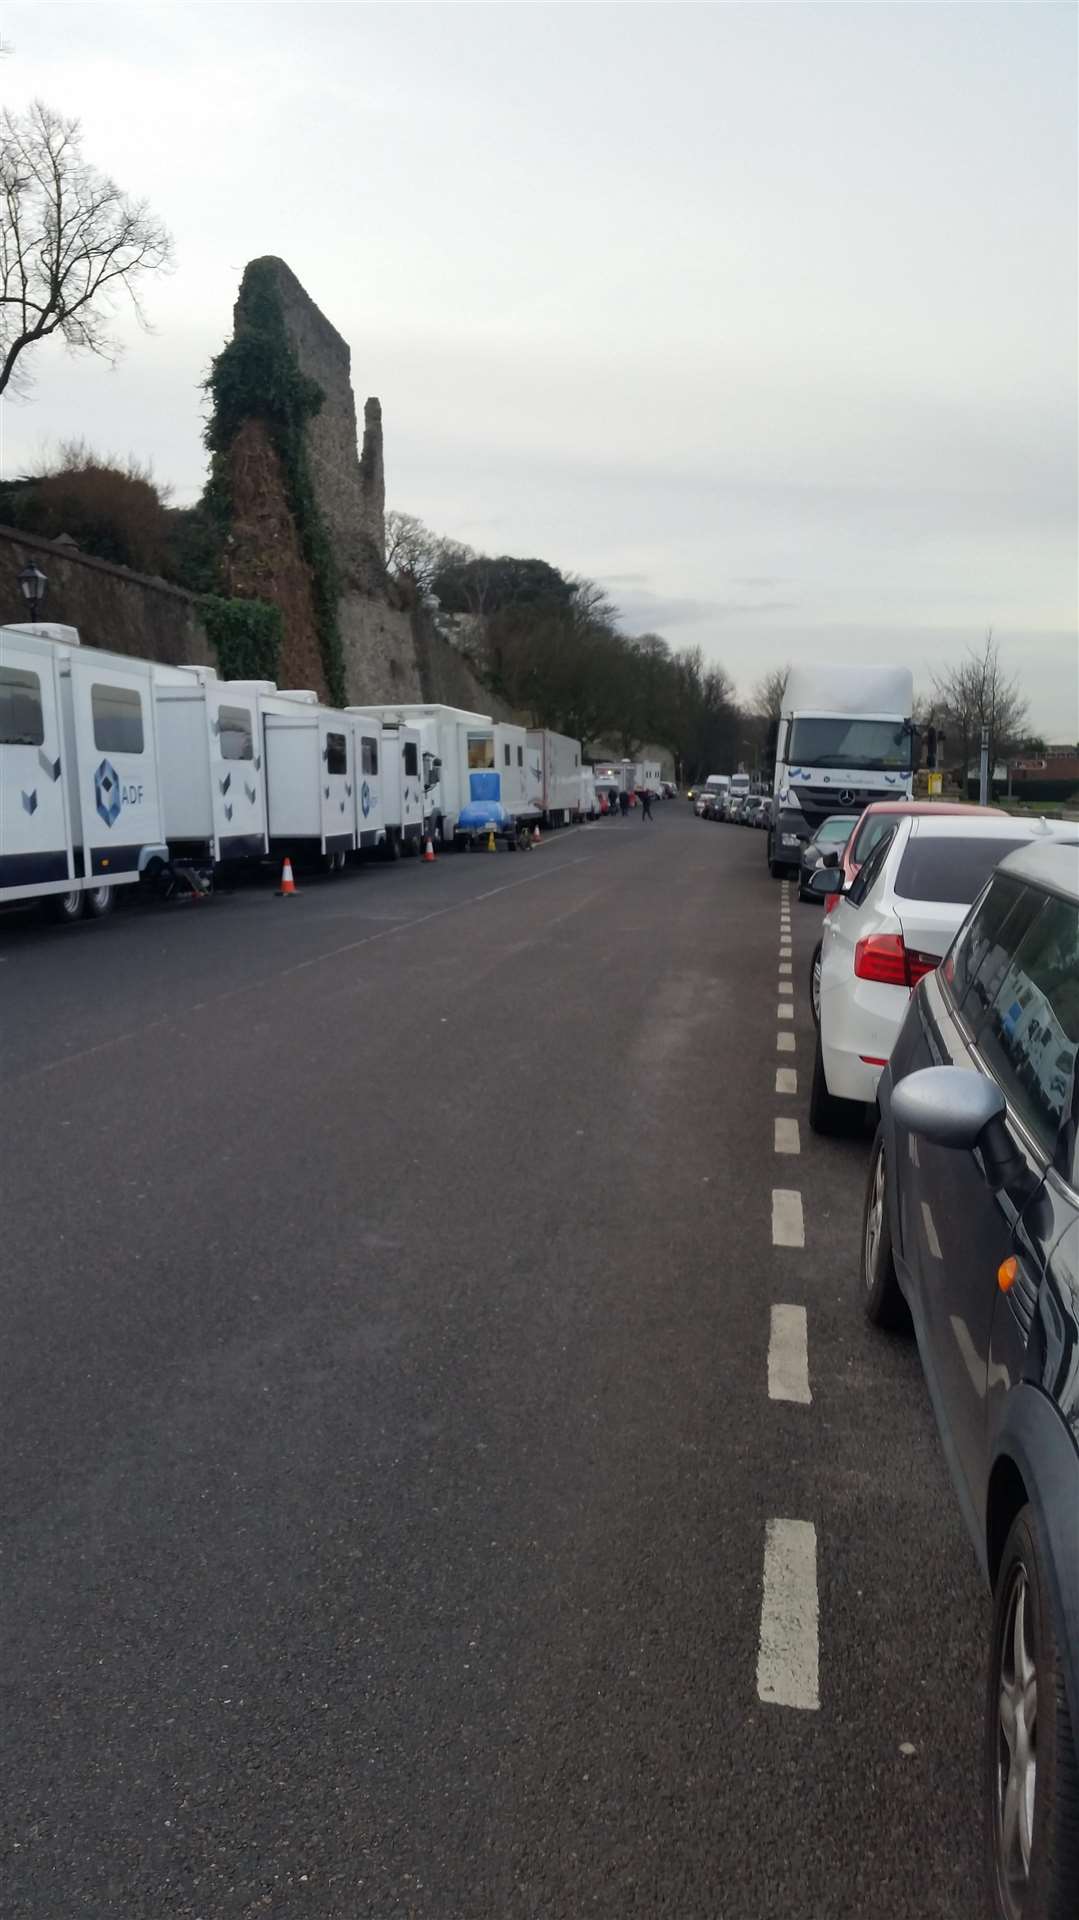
(588, 803)
(553, 768)
(80, 811)
(310, 753)
(213, 784)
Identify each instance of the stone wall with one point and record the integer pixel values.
(115, 609)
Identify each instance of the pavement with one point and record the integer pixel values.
(411, 1502)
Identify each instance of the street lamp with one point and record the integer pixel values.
(34, 585)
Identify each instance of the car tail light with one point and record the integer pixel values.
(884, 957)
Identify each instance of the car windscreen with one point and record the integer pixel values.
(948, 867)
(834, 833)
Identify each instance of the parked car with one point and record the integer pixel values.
(751, 810)
(736, 808)
(891, 927)
(971, 1228)
(830, 839)
(876, 820)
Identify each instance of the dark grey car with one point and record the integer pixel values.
(971, 1228)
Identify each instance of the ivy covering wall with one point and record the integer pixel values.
(257, 376)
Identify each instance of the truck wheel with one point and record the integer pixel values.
(100, 901)
(68, 907)
(391, 846)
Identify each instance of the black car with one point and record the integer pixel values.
(830, 838)
(971, 1228)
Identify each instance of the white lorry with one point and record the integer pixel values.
(80, 802)
(553, 767)
(845, 738)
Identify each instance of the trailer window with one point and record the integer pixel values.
(117, 714)
(520, 756)
(369, 755)
(412, 759)
(506, 753)
(21, 720)
(237, 740)
(481, 753)
(336, 753)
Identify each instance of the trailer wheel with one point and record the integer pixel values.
(100, 901)
(391, 846)
(68, 907)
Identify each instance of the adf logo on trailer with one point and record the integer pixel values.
(110, 794)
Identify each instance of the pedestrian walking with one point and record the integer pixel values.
(623, 803)
(646, 806)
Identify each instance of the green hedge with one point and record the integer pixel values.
(257, 376)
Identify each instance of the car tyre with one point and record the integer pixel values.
(1032, 1783)
(882, 1296)
(827, 1115)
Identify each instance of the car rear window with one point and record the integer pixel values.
(948, 867)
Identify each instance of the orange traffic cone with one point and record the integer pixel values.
(429, 849)
(288, 884)
(536, 835)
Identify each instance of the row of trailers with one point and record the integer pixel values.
(115, 770)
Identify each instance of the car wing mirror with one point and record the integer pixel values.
(825, 881)
(954, 1107)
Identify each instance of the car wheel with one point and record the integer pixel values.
(1031, 1760)
(68, 907)
(814, 982)
(827, 1115)
(881, 1295)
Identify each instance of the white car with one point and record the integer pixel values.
(894, 924)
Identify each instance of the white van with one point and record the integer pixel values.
(80, 810)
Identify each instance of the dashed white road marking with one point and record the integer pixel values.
(788, 1139)
(787, 1077)
(784, 1043)
(784, 1011)
(785, 987)
(788, 1664)
(788, 1356)
(788, 1226)
(784, 967)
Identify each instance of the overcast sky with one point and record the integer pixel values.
(765, 316)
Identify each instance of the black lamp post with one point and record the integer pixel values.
(34, 585)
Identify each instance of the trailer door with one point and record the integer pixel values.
(237, 776)
(376, 798)
(338, 784)
(35, 842)
(118, 783)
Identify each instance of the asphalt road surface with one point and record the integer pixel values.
(411, 1503)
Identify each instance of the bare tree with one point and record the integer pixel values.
(70, 241)
(766, 700)
(416, 554)
(978, 693)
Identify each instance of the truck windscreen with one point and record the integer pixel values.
(847, 741)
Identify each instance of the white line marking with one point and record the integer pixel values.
(788, 1356)
(785, 988)
(784, 968)
(788, 1139)
(784, 1011)
(784, 1043)
(787, 1077)
(788, 1664)
(788, 1227)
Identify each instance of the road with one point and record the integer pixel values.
(393, 1487)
